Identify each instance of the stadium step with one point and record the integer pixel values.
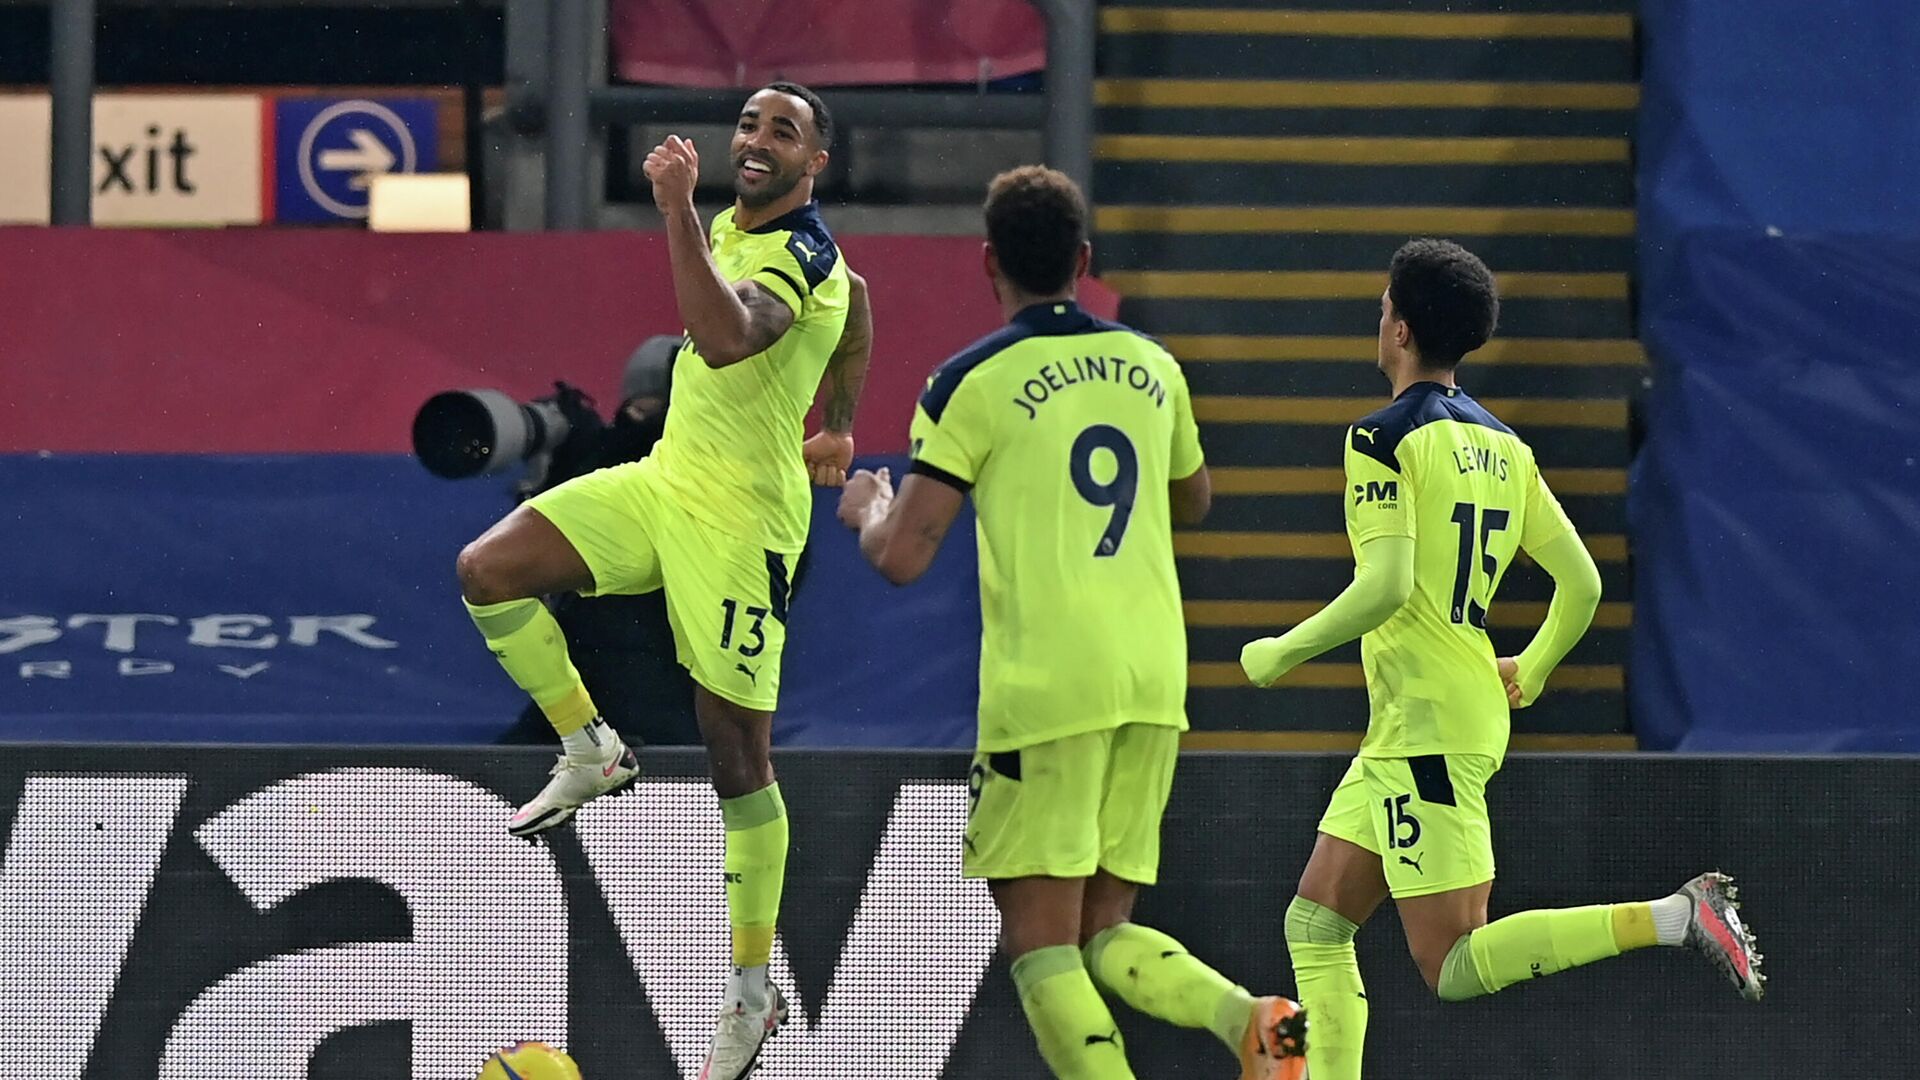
(1241, 43)
(1383, 7)
(1257, 164)
(1364, 107)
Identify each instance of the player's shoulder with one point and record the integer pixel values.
(1149, 345)
(803, 232)
(947, 378)
(1062, 328)
(1040, 326)
(1380, 433)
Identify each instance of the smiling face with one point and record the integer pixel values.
(775, 147)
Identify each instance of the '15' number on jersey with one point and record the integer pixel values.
(1118, 492)
(1465, 608)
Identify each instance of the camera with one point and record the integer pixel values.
(462, 433)
(459, 434)
(623, 646)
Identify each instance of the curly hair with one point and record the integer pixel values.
(1036, 221)
(1447, 298)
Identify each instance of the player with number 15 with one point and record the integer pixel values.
(1075, 437)
(1440, 498)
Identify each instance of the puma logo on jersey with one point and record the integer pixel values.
(802, 245)
(1368, 434)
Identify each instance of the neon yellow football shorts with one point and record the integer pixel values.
(726, 598)
(1426, 817)
(1071, 806)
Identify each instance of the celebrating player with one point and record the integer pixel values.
(1440, 496)
(1077, 441)
(716, 515)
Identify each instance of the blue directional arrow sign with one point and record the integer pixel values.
(329, 151)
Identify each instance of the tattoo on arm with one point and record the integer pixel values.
(768, 316)
(847, 369)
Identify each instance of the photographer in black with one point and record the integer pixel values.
(622, 645)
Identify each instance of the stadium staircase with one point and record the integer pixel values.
(1258, 162)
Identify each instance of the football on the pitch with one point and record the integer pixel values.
(530, 1061)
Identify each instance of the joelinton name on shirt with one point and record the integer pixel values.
(1062, 375)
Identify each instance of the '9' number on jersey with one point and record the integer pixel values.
(1118, 492)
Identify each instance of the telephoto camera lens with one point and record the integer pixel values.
(462, 433)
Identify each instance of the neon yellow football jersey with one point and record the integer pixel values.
(1438, 467)
(1067, 430)
(731, 450)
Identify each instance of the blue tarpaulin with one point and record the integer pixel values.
(312, 599)
(1776, 504)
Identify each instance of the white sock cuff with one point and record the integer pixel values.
(1671, 917)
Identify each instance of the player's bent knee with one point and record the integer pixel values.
(486, 577)
(1457, 978)
(1309, 923)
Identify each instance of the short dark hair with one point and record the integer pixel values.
(1036, 222)
(822, 119)
(1447, 297)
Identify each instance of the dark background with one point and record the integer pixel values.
(1824, 848)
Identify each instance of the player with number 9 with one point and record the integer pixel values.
(1440, 496)
(1076, 439)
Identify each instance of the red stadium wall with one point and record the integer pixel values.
(847, 42)
(322, 341)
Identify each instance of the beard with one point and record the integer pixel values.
(776, 186)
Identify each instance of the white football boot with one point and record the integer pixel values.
(574, 784)
(740, 1034)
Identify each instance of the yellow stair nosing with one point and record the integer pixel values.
(1366, 24)
(1603, 413)
(1234, 348)
(1601, 221)
(1365, 150)
(1606, 547)
(1364, 94)
(1344, 284)
(1279, 614)
(1309, 480)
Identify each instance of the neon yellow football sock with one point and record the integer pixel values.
(1327, 972)
(1156, 975)
(529, 644)
(1535, 943)
(756, 867)
(1077, 1035)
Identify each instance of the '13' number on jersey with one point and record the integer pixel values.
(1465, 608)
(1118, 492)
